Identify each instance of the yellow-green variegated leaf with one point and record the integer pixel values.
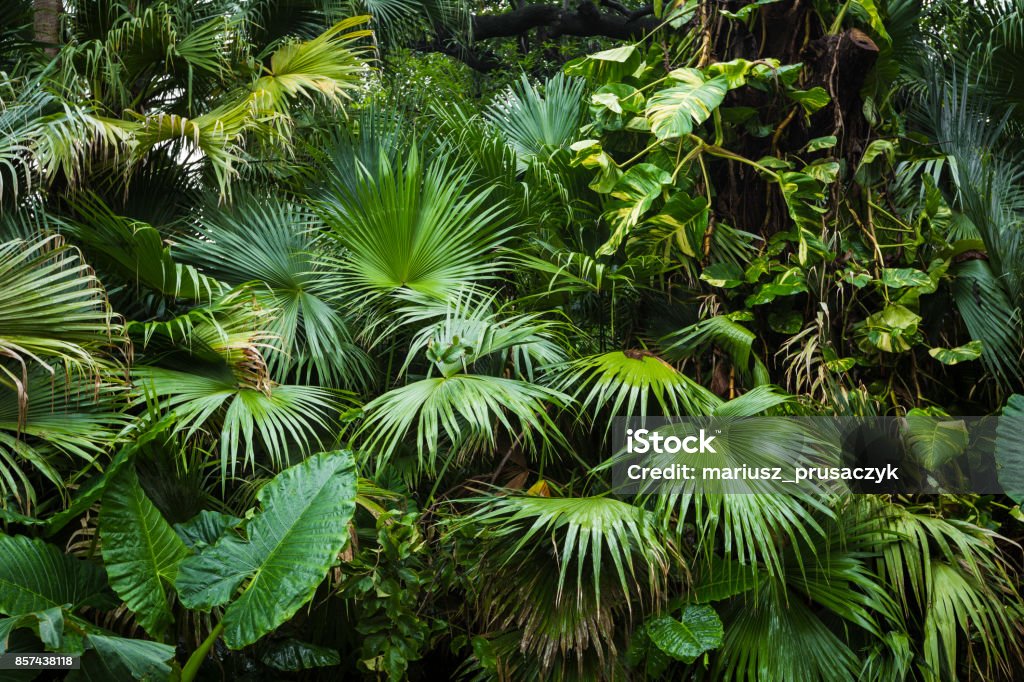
(674, 111)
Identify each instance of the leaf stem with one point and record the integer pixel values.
(188, 673)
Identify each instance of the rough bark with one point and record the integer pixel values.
(46, 23)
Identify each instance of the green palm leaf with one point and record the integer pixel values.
(60, 424)
(274, 242)
(631, 383)
(464, 409)
(415, 225)
(537, 122)
(284, 421)
(52, 309)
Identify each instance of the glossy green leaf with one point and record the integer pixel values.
(744, 12)
(140, 550)
(811, 100)
(291, 655)
(725, 275)
(895, 278)
(633, 195)
(205, 528)
(935, 441)
(684, 220)
(606, 66)
(120, 658)
(698, 630)
(291, 543)
(36, 576)
(893, 329)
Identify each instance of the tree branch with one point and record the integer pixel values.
(585, 20)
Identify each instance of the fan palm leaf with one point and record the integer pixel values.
(415, 226)
(272, 244)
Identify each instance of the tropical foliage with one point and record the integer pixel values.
(311, 337)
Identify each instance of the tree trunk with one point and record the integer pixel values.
(46, 23)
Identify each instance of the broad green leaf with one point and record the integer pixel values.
(744, 12)
(735, 71)
(205, 528)
(866, 172)
(36, 576)
(1009, 449)
(120, 658)
(48, 626)
(683, 219)
(823, 171)
(682, 13)
(787, 283)
(697, 631)
(874, 18)
(633, 195)
(673, 111)
(291, 655)
(606, 66)
(826, 142)
(725, 275)
(954, 356)
(291, 543)
(140, 550)
(90, 491)
(935, 441)
(811, 100)
(893, 329)
(590, 154)
(895, 278)
(618, 98)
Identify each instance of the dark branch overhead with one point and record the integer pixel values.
(583, 20)
(554, 20)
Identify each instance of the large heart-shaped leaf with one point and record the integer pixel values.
(697, 631)
(291, 545)
(140, 549)
(674, 111)
(35, 576)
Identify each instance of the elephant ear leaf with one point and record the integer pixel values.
(120, 658)
(140, 549)
(36, 576)
(291, 544)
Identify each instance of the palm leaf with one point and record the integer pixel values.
(414, 226)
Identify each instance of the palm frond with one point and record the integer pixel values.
(273, 243)
(414, 226)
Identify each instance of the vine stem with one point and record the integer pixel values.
(188, 673)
